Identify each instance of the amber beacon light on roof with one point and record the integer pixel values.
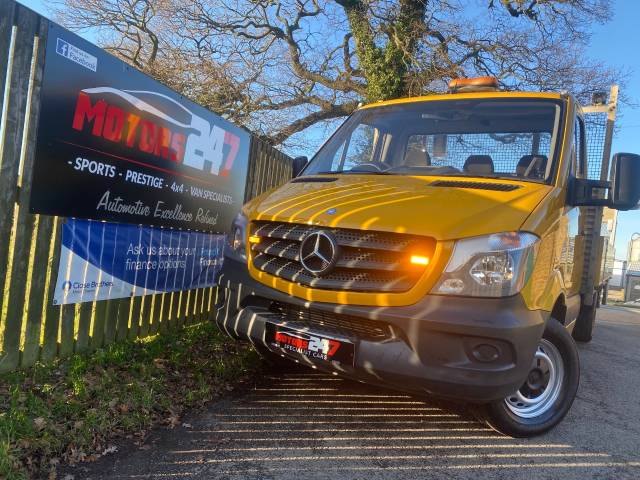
(476, 84)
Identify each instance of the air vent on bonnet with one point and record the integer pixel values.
(501, 187)
(314, 180)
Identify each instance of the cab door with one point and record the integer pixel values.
(572, 235)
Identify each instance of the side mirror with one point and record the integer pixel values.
(588, 193)
(625, 181)
(298, 165)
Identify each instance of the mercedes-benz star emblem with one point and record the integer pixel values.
(319, 252)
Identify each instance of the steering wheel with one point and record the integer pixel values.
(367, 167)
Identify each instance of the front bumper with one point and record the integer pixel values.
(468, 349)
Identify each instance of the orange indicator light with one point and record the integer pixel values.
(254, 239)
(419, 260)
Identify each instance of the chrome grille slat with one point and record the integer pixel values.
(369, 261)
(279, 248)
(281, 230)
(371, 240)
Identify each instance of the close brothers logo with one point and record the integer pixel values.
(68, 285)
(176, 134)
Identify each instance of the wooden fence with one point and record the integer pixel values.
(31, 327)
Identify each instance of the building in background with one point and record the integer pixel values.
(608, 232)
(633, 254)
(618, 275)
(632, 283)
(632, 271)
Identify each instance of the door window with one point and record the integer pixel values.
(578, 150)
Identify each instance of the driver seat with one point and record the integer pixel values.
(417, 157)
(479, 165)
(536, 164)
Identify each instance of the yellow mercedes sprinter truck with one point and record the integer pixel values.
(435, 245)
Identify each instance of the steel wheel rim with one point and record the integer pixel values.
(530, 402)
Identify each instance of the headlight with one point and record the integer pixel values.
(238, 235)
(496, 265)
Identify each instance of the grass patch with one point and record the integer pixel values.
(71, 410)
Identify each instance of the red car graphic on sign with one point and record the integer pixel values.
(156, 124)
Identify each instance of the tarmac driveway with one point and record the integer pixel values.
(301, 424)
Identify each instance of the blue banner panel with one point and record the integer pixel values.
(100, 261)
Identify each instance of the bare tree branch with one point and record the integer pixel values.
(279, 67)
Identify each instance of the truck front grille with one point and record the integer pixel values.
(367, 261)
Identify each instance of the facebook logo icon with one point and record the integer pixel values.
(62, 48)
(75, 54)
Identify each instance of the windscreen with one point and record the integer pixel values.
(501, 138)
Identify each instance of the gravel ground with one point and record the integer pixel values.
(303, 424)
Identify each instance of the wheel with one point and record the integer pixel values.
(548, 392)
(583, 329)
(272, 358)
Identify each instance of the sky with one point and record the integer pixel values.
(615, 43)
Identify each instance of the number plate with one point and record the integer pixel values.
(309, 344)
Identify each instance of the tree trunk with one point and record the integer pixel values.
(385, 68)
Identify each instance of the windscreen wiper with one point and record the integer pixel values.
(355, 172)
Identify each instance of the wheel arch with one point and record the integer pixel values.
(559, 310)
(544, 293)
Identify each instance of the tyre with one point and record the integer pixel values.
(548, 392)
(585, 323)
(272, 358)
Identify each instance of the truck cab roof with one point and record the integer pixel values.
(468, 96)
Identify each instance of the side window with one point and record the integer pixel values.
(361, 146)
(578, 151)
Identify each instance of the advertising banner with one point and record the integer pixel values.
(114, 144)
(100, 260)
